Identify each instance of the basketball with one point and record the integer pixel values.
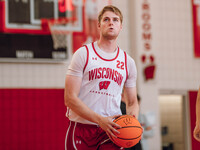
(130, 131)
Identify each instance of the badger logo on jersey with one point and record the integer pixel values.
(104, 85)
(106, 73)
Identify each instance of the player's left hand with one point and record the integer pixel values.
(196, 132)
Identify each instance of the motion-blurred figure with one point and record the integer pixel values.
(146, 120)
(91, 12)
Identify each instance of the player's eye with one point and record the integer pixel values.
(106, 19)
(116, 19)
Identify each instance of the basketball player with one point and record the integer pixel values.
(197, 127)
(93, 87)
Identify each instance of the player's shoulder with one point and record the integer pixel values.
(80, 54)
(82, 50)
(129, 58)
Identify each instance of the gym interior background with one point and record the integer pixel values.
(162, 36)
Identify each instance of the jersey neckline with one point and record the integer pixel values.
(102, 57)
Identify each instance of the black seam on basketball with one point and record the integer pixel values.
(111, 138)
(114, 141)
(121, 117)
(130, 127)
(129, 139)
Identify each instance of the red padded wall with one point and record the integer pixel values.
(32, 119)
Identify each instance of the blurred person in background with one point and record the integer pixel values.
(146, 123)
(196, 132)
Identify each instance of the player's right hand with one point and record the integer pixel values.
(107, 124)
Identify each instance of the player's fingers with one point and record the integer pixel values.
(115, 116)
(115, 130)
(115, 125)
(110, 133)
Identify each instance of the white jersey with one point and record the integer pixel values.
(103, 78)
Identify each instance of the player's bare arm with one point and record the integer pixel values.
(132, 107)
(197, 127)
(72, 88)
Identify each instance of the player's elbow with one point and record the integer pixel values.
(131, 103)
(70, 99)
(67, 99)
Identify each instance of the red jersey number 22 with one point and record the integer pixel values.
(120, 64)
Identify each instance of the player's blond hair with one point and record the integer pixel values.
(112, 9)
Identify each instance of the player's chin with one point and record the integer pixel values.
(111, 36)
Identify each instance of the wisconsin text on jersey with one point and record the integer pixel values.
(106, 73)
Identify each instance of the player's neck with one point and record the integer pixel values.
(108, 46)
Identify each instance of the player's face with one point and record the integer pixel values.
(110, 25)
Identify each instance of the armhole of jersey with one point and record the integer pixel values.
(87, 58)
(126, 65)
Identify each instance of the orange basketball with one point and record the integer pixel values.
(130, 133)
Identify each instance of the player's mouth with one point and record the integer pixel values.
(111, 28)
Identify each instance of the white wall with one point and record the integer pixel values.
(177, 68)
(29, 75)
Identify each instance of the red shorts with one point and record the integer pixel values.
(87, 137)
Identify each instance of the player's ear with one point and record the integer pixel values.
(98, 24)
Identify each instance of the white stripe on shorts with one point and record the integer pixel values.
(67, 135)
(73, 136)
(104, 141)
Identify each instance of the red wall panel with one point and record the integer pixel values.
(196, 27)
(32, 119)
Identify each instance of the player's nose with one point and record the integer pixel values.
(111, 21)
